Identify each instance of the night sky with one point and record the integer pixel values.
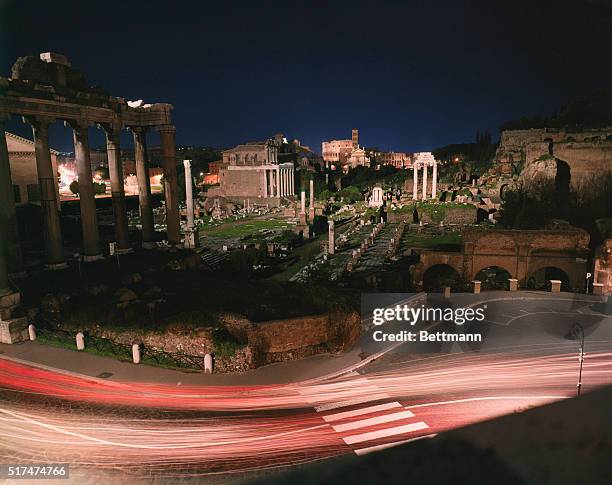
(410, 75)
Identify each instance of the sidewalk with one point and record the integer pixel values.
(84, 363)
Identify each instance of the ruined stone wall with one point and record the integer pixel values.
(603, 266)
(586, 152)
(520, 253)
(292, 338)
(241, 183)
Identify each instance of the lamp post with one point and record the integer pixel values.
(576, 331)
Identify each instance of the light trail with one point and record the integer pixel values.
(192, 430)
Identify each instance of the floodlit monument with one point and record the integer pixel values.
(252, 173)
(46, 89)
(422, 160)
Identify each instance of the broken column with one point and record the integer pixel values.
(512, 284)
(555, 286)
(415, 181)
(303, 208)
(476, 287)
(311, 208)
(190, 238)
(331, 238)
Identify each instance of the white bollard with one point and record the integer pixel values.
(136, 353)
(32, 332)
(80, 341)
(208, 364)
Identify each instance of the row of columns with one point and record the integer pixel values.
(9, 240)
(415, 181)
(278, 182)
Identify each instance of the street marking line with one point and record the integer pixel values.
(350, 402)
(364, 423)
(384, 433)
(365, 451)
(439, 403)
(357, 412)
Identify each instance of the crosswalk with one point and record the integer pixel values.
(368, 427)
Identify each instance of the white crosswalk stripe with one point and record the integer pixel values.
(383, 425)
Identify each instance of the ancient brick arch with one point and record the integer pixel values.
(520, 253)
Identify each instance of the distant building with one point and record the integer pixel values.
(397, 159)
(252, 171)
(24, 173)
(345, 153)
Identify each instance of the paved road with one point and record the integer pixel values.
(410, 392)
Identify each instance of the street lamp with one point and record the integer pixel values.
(576, 331)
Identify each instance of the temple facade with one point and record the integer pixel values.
(252, 172)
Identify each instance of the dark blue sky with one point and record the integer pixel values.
(410, 75)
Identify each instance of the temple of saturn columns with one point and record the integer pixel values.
(422, 160)
(45, 90)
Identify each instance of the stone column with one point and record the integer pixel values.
(115, 169)
(47, 181)
(311, 208)
(144, 187)
(87, 200)
(265, 182)
(190, 239)
(277, 180)
(286, 171)
(331, 238)
(292, 181)
(303, 202)
(434, 180)
(282, 181)
(424, 181)
(5, 287)
(189, 193)
(170, 184)
(8, 214)
(415, 181)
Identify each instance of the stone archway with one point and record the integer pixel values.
(540, 279)
(439, 275)
(493, 278)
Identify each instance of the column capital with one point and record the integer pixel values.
(187, 163)
(78, 124)
(166, 128)
(111, 129)
(38, 121)
(140, 130)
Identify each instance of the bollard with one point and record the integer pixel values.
(512, 284)
(476, 287)
(598, 288)
(208, 364)
(446, 291)
(80, 341)
(32, 332)
(136, 353)
(555, 286)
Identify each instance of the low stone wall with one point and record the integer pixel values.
(467, 214)
(262, 343)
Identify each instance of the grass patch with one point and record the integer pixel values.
(244, 228)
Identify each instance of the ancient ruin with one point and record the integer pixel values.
(47, 89)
